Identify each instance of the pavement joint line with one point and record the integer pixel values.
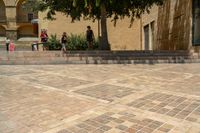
(72, 120)
(75, 77)
(90, 98)
(178, 93)
(55, 89)
(68, 93)
(50, 88)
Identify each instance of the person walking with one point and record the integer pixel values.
(64, 42)
(89, 37)
(7, 43)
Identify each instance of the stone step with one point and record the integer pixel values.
(104, 56)
(95, 57)
(63, 61)
(94, 53)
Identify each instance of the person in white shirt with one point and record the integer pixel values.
(7, 43)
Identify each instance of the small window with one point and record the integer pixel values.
(30, 16)
(196, 23)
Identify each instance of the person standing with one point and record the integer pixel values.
(44, 38)
(64, 42)
(11, 46)
(7, 43)
(89, 37)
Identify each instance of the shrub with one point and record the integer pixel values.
(75, 42)
(54, 43)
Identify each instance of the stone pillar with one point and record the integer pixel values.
(11, 31)
(11, 16)
(11, 34)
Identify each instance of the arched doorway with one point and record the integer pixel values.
(26, 31)
(2, 12)
(2, 33)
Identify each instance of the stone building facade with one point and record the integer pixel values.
(172, 26)
(15, 21)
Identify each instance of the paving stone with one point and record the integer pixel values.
(100, 98)
(118, 121)
(134, 120)
(165, 128)
(64, 131)
(98, 131)
(93, 123)
(74, 129)
(81, 125)
(147, 130)
(122, 127)
(101, 120)
(191, 119)
(106, 92)
(137, 126)
(153, 125)
(105, 128)
(163, 110)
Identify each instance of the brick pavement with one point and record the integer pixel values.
(100, 99)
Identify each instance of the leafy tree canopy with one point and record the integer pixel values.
(91, 9)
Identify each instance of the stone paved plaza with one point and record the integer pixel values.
(100, 99)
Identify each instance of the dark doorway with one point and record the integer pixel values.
(146, 37)
(196, 22)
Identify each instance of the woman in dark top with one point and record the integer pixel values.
(89, 37)
(64, 41)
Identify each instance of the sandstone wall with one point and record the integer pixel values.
(121, 37)
(175, 27)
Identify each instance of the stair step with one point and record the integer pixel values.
(96, 57)
(43, 62)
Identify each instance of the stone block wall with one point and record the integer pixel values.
(15, 22)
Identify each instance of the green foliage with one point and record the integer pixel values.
(54, 43)
(74, 42)
(77, 42)
(116, 9)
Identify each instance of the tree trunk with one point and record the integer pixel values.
(104, 45)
